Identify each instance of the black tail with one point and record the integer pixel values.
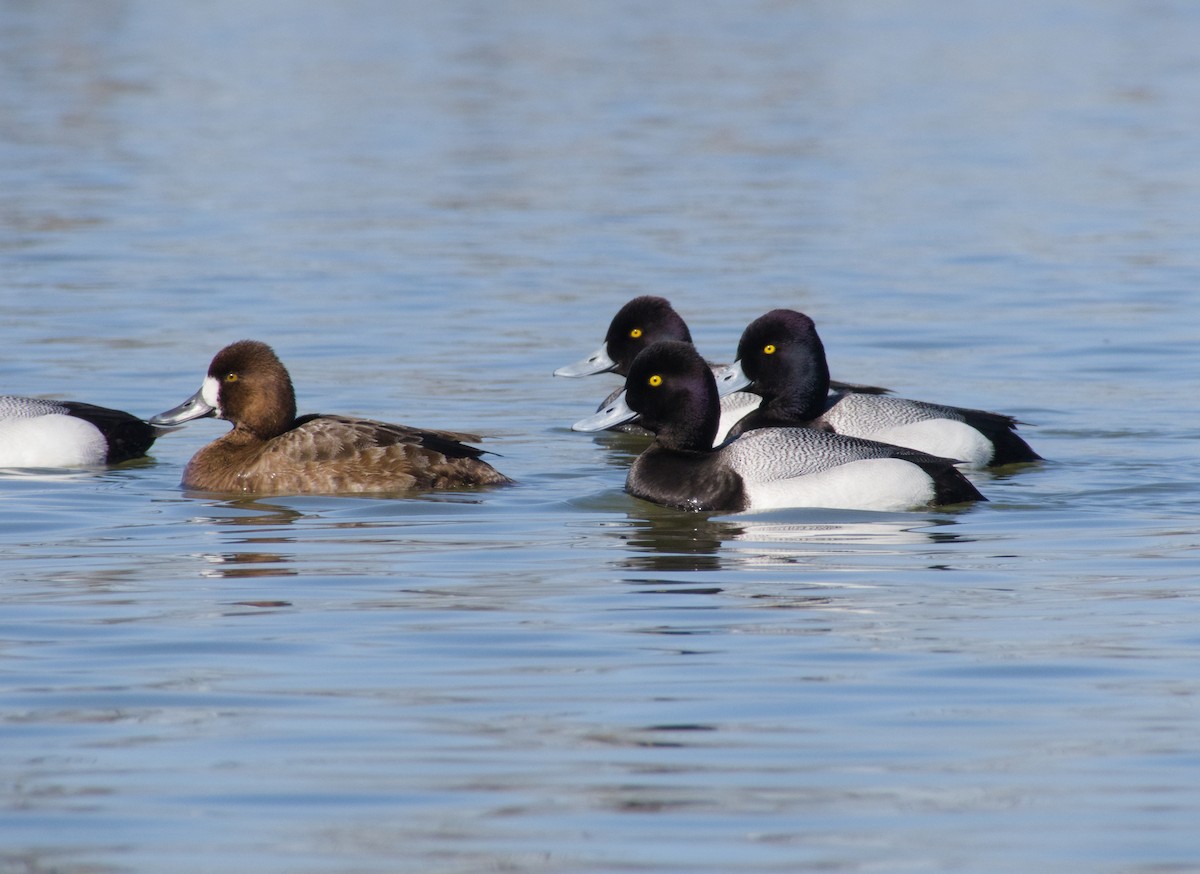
(949, 484)
(1009, 448)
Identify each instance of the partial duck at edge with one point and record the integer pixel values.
(35, 432)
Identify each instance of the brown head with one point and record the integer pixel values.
(247, 385)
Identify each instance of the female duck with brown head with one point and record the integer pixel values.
(271, 451)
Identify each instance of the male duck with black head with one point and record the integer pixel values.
(675, 392)
(642, 322)
(271, 451)
(781, 358)
(646, 320)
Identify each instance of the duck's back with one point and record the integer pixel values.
(806, 467)
(328, 454)
(782, 453)
(16, 407)
(978, 437)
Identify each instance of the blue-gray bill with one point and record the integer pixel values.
(618, 412)
(598, 362)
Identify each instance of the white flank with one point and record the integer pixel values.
(51, 441)
(945, 438)
(871, 484)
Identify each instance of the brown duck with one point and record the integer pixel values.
(271, 451)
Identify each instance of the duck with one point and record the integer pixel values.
(647, 319)
(781, 358)
(271, 451)
(675, 392)
(35, 432)
(640, 322)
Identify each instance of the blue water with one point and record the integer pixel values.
(426, 209)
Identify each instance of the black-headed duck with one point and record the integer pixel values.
(781, 357)
(674, 391)
(646, 320)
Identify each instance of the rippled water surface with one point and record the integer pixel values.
(426, 208)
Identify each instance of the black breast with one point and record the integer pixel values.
(686, 481)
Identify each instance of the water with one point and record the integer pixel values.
(426, 208)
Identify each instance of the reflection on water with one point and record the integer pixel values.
(249, 511)
(249, 564)
(49, 475)
(261, 605)
(235, 517)
(869, 530)
(667, 540)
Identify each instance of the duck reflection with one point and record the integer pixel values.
(248, 511)
(264, 519)
(240, 565)
(808, 527)
(662, 539)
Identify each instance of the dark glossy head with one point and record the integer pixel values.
(673, 389)
(642, 321)
(636, 325)
(784, 359)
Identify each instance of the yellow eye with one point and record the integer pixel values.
(635, 333)
(655, 380)
(231, 377)
(769, 349)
